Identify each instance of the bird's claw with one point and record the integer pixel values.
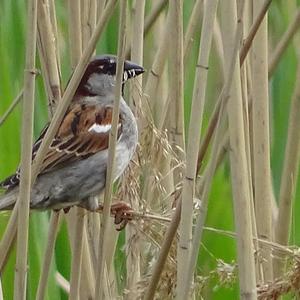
(122, 212)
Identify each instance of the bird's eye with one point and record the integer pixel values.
(108, 68)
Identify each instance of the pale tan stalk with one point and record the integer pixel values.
(92, 222)
(194, 22)
(23, 201)
(77, 246)
(289, 174)
(258, 17)
(261, 139)
(53, 229)
(48, 53)
(75, 31)
(153, 15)
(12, 106)
(283, 43)
(218, 43)
(156, 70)
(77, 219)
(195, 125)
(133, 240)
(54, 27)
(111, 151)
(177, 126)
(87, 280)
(238, 159)
(149, 20)
(175, 39)
(100, 7)
(89, 14)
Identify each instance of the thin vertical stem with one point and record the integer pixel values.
(238, 159)
(132, 235)
(23, 203)
(53, 228)
(111, 152)
(261, 139)
(190, 173)
(177, 129)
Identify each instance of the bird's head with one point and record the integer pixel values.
(100, 75)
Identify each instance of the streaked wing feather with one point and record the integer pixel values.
(74, 140)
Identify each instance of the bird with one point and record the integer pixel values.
(74, 169)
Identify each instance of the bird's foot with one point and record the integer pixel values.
(122, 213)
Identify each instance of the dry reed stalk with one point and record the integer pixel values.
(156, 71)
(100, 7)
(77, 218)
(75, 34)
(193, 25)
(12, 106)
(77, 246)
(190, 172)
(133, 240)
(53, 229)
(203, 193)
(262, 10)
(177, 129)
(92, 222)
(87, 280)
(48, 54)
(247, 99)
(89, 19)
(261, 139)
(238, 160)
(217, 41)
(289, 173)
(111, 152)
(153, 15)
(150, 20)
(54, 28)
(283, 43)
(23, 201)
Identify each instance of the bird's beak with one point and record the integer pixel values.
(132, 69)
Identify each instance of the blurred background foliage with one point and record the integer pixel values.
(215, 246)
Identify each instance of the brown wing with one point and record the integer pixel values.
(78, 137)
(83, 132)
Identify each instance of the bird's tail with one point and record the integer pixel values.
(8, 200)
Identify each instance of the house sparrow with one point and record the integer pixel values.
(74, 168)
